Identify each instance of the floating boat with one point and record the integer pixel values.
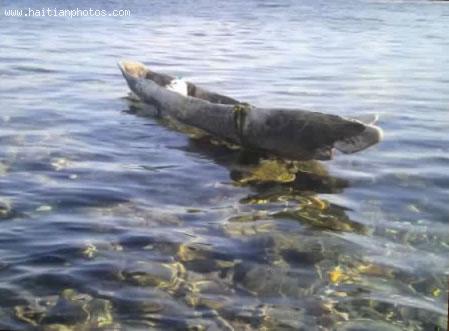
(288, 133)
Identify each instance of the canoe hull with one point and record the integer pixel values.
(289, 133)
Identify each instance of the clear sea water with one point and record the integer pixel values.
(114, 220)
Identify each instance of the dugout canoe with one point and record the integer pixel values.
(289, 133)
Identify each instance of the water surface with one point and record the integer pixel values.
(112, 219)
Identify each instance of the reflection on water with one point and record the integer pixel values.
(113, 220)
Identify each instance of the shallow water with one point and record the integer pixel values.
(111, 219)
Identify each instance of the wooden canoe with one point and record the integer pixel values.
(289, 133)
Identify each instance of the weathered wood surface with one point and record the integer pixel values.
(289, 133)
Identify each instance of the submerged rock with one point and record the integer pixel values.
(136, 302)
(203, 259)
(6, 210)
(89, 251)
(266, 280)
(100, 312)
(367, 325)
(3, 169)
(57, 327)
(282, 318)
(155, 274)
(320, 215)
(71, 310)
(66, 312)
(29, 314)
(207, 293)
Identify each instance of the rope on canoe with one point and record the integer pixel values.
(240, 112)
